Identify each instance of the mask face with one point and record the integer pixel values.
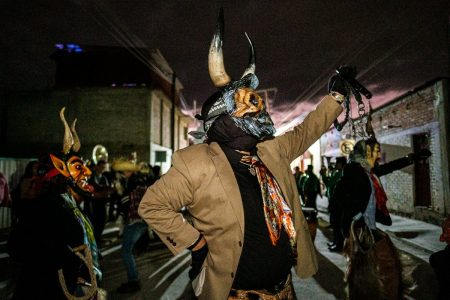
(250, 114)
(76, 172)
(79, 173)
(247, 103)
(244, 105)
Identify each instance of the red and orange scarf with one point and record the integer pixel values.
(276, 211)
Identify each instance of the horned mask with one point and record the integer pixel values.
(236, 98)
(69, 163)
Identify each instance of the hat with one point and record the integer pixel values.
(124, 165)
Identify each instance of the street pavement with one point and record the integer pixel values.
(164, 276)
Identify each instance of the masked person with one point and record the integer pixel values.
(375, 271)
(53, 242)
(247, 227)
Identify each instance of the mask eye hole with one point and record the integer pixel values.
(254, 100)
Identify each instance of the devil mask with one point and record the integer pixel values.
(69, 163)
(235, 98)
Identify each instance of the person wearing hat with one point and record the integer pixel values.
(247, 229)
(363, 203)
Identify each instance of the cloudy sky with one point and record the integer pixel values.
(396, 45)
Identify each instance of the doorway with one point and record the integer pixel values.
(421, 172)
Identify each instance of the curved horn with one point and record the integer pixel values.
(76, 141)
(251, 60)
(216, 66)
(68, 138)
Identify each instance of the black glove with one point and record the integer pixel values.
(198, 257)
(337, 82)
(421, 155)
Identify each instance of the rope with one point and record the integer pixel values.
(91, 291)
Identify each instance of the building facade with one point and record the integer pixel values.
(119, 102)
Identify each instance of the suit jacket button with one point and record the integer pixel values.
(240, 244)
(174, 243)
(232, 274)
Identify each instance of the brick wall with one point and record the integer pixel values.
(412, 114)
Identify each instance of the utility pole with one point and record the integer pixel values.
(172, 119)
(195, 113)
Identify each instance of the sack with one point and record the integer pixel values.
(362, 278)
(375, 269)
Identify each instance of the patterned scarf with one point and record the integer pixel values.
(276, 211)
(88, 237)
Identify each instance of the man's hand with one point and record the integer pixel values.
(198, 256)
(421, 155)
(200, 244)
(337, 83)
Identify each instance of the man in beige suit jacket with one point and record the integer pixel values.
(236, 186)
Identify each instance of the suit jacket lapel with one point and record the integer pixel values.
(228, 181)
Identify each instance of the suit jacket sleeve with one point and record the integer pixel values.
(294, 143)
(162, 203)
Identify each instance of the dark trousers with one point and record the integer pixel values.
(99, 218)
(311, 200)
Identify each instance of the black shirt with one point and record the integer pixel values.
(261, 264)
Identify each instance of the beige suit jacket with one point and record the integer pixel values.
(202, 180)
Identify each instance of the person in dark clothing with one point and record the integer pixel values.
(52, 233)
(334, 206)
(300, 183)
(134, 227)
(363, 202)
(297, 174)
(311, 188)
(440, 261)
(247, 229)
(102, 193)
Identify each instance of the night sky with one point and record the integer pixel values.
(396, 45)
